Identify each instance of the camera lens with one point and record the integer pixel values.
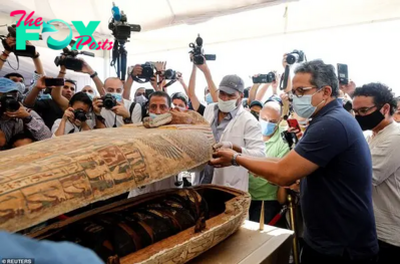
(292, 58)
(80, 115)
(109, 101)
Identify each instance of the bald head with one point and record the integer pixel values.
(113, 85)
(271, 112)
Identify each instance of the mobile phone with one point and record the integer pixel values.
(343, 74)
(293, 123)
(29, 51)
(54, 82)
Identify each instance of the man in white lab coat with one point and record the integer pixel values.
(235, 128)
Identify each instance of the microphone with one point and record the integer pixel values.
(115, 12)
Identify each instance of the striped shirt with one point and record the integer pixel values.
(15, 126)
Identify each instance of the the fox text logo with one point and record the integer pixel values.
(85, 33)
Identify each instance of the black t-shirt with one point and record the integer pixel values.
(49, 111)
(200, 110)
(336, 199)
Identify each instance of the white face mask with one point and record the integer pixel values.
(21, 87)
(227, 106)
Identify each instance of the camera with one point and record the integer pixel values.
(264, 78)
(290, 138)
(198, 56)
(170, 74)
(30, 51)
(295, 56)
(8, 103)
(121, 30)
(80, 115)
(69, 60)
(148, 70)
(109, 101)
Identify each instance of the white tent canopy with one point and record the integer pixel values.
(168, 26)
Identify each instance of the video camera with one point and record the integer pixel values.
(198, 56)
(121, 30)
(69, 60)
(264, 78)
(30, 51)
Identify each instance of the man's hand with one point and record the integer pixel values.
(275, 83)
(69, 114)
(223, 144)
(284, 63)
(40, 84)
(86, 68)
(179, 77)
(298, 133)
(349, 88)
(20, 113)
(120, 110)
(97, 105)
(137, 70)
(203, 67)
(160, 65)
(295, 186)
(10, 41)
(157, 87)
(222, 158)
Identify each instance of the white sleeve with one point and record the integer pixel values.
(55, 126)
(254, 146)
(137, 114)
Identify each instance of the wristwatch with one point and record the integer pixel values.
(234, 163)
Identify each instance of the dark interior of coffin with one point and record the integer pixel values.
(114, 236)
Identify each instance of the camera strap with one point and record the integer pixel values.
(168, 84)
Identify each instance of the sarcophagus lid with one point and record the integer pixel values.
(52, 177)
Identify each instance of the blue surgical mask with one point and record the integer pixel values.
(117, 96)
(21, 87)
(90, 96)
(303, 106)
(209, 99)
(152, 116)
(267, 128)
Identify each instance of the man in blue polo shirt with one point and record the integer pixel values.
(334, 163)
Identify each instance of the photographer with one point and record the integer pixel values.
(76, 118)
(87, 89)
(234, 128)
(374, 105)
(121, 111)
(15, 118)
(334, 163)
(50, 109)
(179, 100)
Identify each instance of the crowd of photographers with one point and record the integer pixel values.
(311, 134)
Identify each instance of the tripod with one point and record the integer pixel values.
(119, 55)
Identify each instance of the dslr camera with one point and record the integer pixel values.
(109, 101)
(170, 75)
(198, 52)
(148, 70)
(264, 78)
(121, 30)
(69, 60)
(295, 56)
(80, 115)
(8, 103)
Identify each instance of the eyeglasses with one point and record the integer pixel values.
(299, 92)
(363, 111)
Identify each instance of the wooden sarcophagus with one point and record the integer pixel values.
(74, 188)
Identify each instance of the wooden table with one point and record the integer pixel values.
(249, 245)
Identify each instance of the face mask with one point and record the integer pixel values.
(227, 106)
(45, 96)
(141, 99)
(303, 107)
(182, 108)
(209, 99)
(21, 87)
(117, 96)
(154, 116)
(267, 128)
(370, 121)
(90, 96)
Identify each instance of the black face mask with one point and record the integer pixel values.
(370, 121)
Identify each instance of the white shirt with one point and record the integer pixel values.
(109, 115)
(385, 152)
(71, 128)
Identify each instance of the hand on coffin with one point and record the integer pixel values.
(222, 158)
(223, 144)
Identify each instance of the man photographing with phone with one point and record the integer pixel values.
(334, 163)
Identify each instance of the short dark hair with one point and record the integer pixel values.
(161, 94)
(81, 97)
(14, 74)
(180, 96)
(321, 75)
(19, 136)
(70, 81)
(380, 93)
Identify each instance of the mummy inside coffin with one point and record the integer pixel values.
(73, 188)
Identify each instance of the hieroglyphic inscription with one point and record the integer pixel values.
(162, 147)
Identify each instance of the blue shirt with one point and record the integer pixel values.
(45, 252)
(336, 199)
